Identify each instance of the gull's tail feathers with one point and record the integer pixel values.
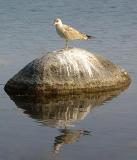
(90, 37)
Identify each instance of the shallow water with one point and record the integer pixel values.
(101, 127)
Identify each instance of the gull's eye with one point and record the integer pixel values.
(57, 20)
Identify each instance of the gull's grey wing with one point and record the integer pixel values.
(72, 33)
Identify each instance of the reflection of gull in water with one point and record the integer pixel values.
(62, 111)
(68, 136)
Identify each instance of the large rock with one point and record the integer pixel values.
(72, 70)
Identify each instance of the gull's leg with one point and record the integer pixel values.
(66, 43)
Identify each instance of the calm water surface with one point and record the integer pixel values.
(98, 126)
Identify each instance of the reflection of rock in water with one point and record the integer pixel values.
(68, 136)
(62, 111)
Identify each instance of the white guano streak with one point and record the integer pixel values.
(78, 60)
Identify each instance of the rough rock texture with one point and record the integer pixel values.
(72, 70)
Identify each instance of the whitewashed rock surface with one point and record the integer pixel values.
(72, 70)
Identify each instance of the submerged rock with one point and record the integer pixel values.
(72, 70)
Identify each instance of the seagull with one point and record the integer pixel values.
(69, 33)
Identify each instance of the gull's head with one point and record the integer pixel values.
(57, 21)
